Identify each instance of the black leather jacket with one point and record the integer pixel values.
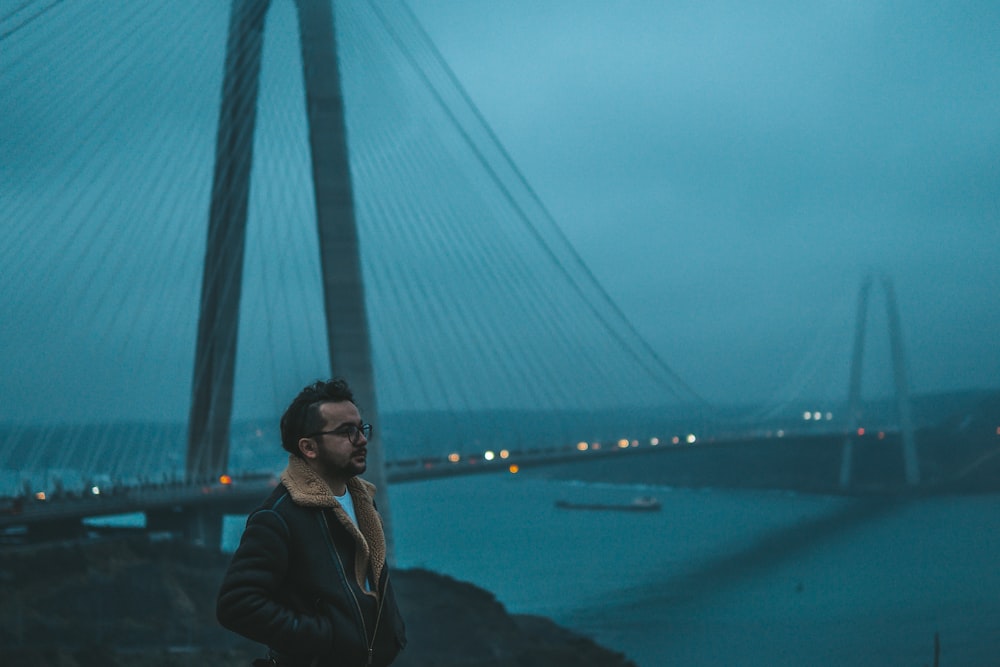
(292, 586)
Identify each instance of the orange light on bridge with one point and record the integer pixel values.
(454, 457)
(40, 495)
(514, 469)
(861, 431)
(583, 446)
(225, 480)
(623, 443)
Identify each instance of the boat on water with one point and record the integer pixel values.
(641, 504)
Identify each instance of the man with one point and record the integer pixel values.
(309, 578)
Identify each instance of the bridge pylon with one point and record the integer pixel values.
(911, 468)
(222, 277)
(348, 339)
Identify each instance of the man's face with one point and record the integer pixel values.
(335, 456)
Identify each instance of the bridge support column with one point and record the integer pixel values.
(910, 463)
(340, 258)
(343, 288)
(854, 386)
(218, 320)
(201, 525)
(911, 467)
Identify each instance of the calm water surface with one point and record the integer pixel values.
(720, 577)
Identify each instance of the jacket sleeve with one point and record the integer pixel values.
(253, 600)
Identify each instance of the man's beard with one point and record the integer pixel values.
(342, 470)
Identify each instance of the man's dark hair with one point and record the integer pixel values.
(302, 416)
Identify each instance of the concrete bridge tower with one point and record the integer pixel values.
(900, 380)
(343, 290)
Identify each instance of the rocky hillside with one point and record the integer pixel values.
(127, 602)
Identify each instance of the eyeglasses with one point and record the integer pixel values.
(349, 431)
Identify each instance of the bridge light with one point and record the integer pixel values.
(582, 446)
(596, 445)
(781, 433)
(829, 416)
(676, 440)
(623, 443)
(817, 416)
(635, 443)
(691, 438)
(514, 469)
(454, 457)
(94, 490)
(807, 415)
(654, 441)
(504, 454)
(40, 495)
(225, 480)
(489, 456)
(861, 431)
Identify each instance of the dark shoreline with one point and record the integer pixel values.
(125, 601)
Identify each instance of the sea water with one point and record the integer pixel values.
(719, 577)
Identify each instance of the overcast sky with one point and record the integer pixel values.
(729, 171)
(732, 170)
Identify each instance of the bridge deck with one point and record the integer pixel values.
(806, 463)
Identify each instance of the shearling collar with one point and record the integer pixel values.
(308, 489)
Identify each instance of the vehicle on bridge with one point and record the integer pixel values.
(640, 504)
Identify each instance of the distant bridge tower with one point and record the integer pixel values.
(344, 302)
(910, 463)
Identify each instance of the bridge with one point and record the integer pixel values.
(211, 208)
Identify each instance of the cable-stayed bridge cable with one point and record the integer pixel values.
(488, 167)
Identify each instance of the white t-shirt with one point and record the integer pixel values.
(348, 504)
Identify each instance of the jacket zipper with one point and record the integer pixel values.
(357, 605)
(378, 615)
